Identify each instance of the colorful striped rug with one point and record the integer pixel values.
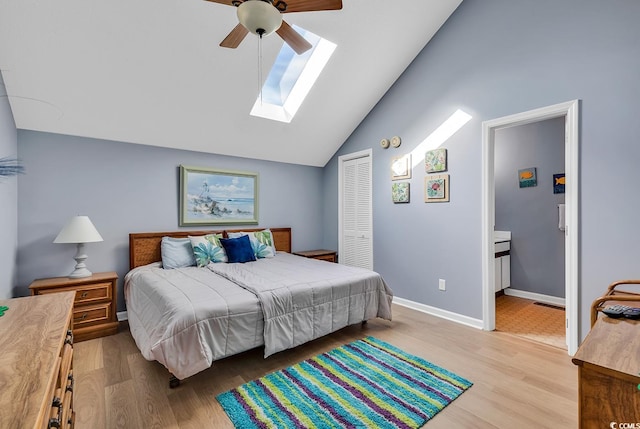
(364, 384)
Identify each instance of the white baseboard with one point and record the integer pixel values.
(547, 299)
(444, 314)
(122, 316)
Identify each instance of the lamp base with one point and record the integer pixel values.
(81, 268)
(79, 273)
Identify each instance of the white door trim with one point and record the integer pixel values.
(341, 160)
(570, 111)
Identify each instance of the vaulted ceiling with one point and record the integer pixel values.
(151, 72)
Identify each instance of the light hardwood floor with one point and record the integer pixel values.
(517, 383)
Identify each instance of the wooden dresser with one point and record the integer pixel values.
(609, 374)
(36, 362)
(94, 311)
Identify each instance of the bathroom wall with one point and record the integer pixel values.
(531, 213)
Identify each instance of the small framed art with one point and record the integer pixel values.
(558, 183)
(401, 167)
(436, 188)
(400, 192)
(527, 177)
(435, 160)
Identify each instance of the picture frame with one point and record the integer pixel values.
(400, 192)
(527, 177)
(401, 167)
(210, 196)
(558, 183)
(436, 188)
(435, 160)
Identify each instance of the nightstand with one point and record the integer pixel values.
(94, 306)
(321, 254)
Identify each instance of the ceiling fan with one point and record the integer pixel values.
(263, 17)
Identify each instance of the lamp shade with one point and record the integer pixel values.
(78, 230)
(259, 17)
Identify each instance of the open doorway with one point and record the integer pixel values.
(530, 247)
(568, 111)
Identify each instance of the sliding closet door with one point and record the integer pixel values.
(356, 241)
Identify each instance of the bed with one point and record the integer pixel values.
(187, 318)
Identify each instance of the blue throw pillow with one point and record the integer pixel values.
(238, 249)
(176, 253)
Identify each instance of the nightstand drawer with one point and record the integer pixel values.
(91, 315)
(86, 294)
(94, 302)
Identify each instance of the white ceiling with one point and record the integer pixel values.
(151, 72)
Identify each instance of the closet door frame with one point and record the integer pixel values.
(367, 153)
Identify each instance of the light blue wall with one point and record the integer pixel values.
(531, 214)
(8, 199)
(494, 58)
(127, 188)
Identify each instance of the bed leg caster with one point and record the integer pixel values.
(364, 322)
(173, 382)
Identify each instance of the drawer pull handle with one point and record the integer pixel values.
(69, 339)
(69, 387)
(54, 423)
(84, 294)
(84, 316)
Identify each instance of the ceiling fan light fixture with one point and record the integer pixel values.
(259, 17)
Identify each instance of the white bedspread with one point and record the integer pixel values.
(189, 317)
(303, 299)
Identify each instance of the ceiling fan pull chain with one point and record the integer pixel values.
(260, 68)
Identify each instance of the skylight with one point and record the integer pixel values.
(291, 78)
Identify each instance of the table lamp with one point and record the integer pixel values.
(79, 230)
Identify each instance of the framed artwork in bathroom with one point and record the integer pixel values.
(558, 183)
(527, 177)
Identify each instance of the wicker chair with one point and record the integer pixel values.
(616, 296)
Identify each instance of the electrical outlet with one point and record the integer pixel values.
(442, 284)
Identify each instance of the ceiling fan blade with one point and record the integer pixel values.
(227, 2)
(293, 38)
(310, 5)
(234, 38)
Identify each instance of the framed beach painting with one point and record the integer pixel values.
(217, 197)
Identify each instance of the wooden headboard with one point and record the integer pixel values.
(144, 247)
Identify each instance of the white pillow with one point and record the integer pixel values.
(261, 242)
(207, 248)
(176, 253)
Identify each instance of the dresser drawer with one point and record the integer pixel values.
(91, 315)
(87, 294)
